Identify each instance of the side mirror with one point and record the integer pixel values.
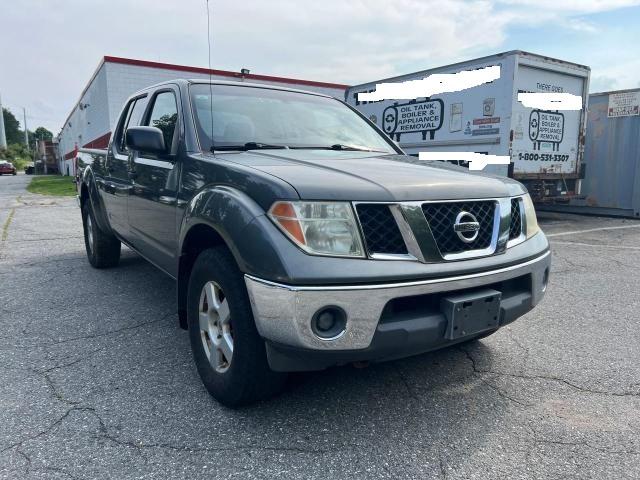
(145, 139)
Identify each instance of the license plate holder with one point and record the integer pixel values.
(470, 313)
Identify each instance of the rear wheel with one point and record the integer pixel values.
(228, 352)
(103, 249)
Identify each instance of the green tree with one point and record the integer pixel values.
(12, 128)
(42, 133)
(167, 123)
(17, 154)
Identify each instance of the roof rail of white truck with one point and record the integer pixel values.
(473, 61)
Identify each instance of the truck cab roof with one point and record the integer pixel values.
(185, 82)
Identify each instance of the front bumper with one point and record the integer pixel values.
(283, 313)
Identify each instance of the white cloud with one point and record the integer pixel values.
(602, 83)
(616, 76)
(357, 41)
(575, 6)
(581, 25)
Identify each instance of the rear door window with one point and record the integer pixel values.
(132, 118)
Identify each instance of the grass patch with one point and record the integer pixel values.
(5, 227)
(56, 185)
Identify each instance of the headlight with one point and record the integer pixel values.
(530, 219)
(320, 228)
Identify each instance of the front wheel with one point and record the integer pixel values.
(228, 352)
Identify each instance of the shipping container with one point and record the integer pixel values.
(545, 147)
(612, 155)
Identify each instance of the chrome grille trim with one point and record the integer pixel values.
(383, 252)
(420, 241)
(413, 247)
(523, 224)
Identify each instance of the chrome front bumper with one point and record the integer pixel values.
(283, 313)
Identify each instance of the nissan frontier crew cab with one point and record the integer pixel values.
(300, 236)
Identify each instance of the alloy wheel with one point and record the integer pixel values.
(215, 326)
(90, 233)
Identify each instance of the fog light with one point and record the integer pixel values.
(329, 323)
(326, 321)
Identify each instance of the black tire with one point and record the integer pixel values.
(103, 249)
(247, 377)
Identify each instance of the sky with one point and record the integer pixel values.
(49, 49)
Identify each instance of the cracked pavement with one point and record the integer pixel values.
(97, 379)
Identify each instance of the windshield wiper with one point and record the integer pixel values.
(248, 146)
(267, 146)
(340, 146)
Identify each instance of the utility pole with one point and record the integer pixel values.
(44, 154)
(26, 134)
(26, 139)
(35, 153)
(3, 136)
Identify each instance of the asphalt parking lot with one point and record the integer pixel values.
(97, 381)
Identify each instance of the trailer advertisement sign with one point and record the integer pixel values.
(624, 104)
(546, 126)
(419, 116)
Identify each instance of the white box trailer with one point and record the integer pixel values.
(545, 147)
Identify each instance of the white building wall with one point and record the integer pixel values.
(95, 119)
(87, 123)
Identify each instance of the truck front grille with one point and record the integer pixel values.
(381, 232)
(515, 227)
(442, 216)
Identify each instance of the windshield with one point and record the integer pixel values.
(253, 117)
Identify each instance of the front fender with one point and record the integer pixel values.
(229, 211)
(90, 183)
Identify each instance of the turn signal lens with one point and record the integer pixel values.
(319, 228)
(287, 219)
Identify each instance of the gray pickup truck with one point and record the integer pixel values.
(301, 237)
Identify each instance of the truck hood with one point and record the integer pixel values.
(365, 176)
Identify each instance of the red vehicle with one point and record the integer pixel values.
(7, 167)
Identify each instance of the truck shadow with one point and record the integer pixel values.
(420, 403)
(423, 405)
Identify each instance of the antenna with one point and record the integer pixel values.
(210, 86)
